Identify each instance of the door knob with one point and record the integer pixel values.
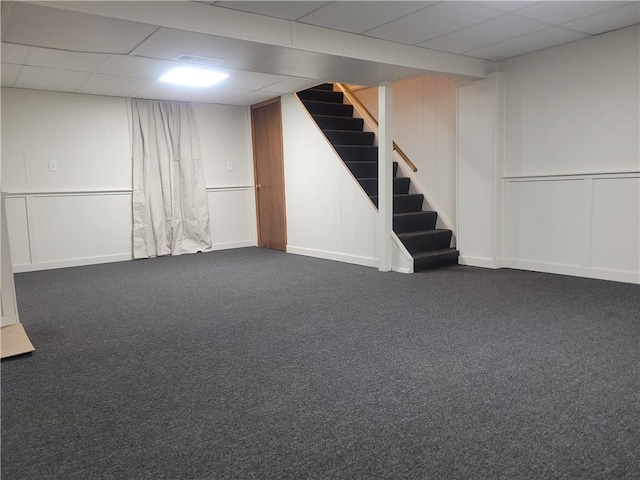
(258, 186)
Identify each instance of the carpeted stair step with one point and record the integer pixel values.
(330, 122)
(349, 137)
(357, 153)
(370, 185)
(426, 240)
(434, 259)
(411, 202)
(324, 86)
(328, 108)
(367, 169)
(321, 95)
(414, 221)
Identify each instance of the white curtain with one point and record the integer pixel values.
(170, 208)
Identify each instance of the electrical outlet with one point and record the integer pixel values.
(229, 165)
(53, 166)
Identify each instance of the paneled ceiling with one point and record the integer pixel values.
(76, 47)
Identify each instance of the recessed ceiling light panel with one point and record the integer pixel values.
(185, 57)
(193, 77)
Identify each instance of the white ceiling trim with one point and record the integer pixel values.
(323, 40)
(620, 17)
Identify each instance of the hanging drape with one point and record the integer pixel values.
(170, 208)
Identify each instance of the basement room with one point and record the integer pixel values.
(320, 240)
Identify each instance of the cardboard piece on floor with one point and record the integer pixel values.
(14, 341)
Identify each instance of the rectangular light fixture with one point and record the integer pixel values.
(193, 77)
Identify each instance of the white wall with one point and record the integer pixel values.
(81, 214)
(225, 136)
(328, 213)
(572, 196)
(424, 116)
(574, 108)
(479, 190)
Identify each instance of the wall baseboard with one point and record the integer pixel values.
(78, 262)
(336, 256)
(230, 245)
(480, 262)
(74, 262)
(402, 270)
(571, 270)
(574, 271)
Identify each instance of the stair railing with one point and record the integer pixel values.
(372, 121)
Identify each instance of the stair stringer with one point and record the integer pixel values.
(329, 215)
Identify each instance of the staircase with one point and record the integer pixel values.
(429, 246)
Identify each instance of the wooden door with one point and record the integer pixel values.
(266, 128)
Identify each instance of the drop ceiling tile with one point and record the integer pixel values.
(526, 44)
(10, 73)
(36, 25)
(62, 60)
(50, 79)
(483, 34)
(358, 17)
(113, 85)
(291, 84)
(433, 21)
(285, 10)
(621, 17)
(508, 6)
(5, 11)
(12, 53)
(140, 67)
(557, 13)
(252, 80)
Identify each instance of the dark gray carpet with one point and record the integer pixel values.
(252, 363)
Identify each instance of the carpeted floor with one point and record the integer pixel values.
(255, 364)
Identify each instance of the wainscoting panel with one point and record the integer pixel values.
(583, 224)
(56, 230)
(233, 220)
(615, 224)
(82, 226)
(17, 219)
(545, 221)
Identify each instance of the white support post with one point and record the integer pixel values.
(385, 176)
(9, 305)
